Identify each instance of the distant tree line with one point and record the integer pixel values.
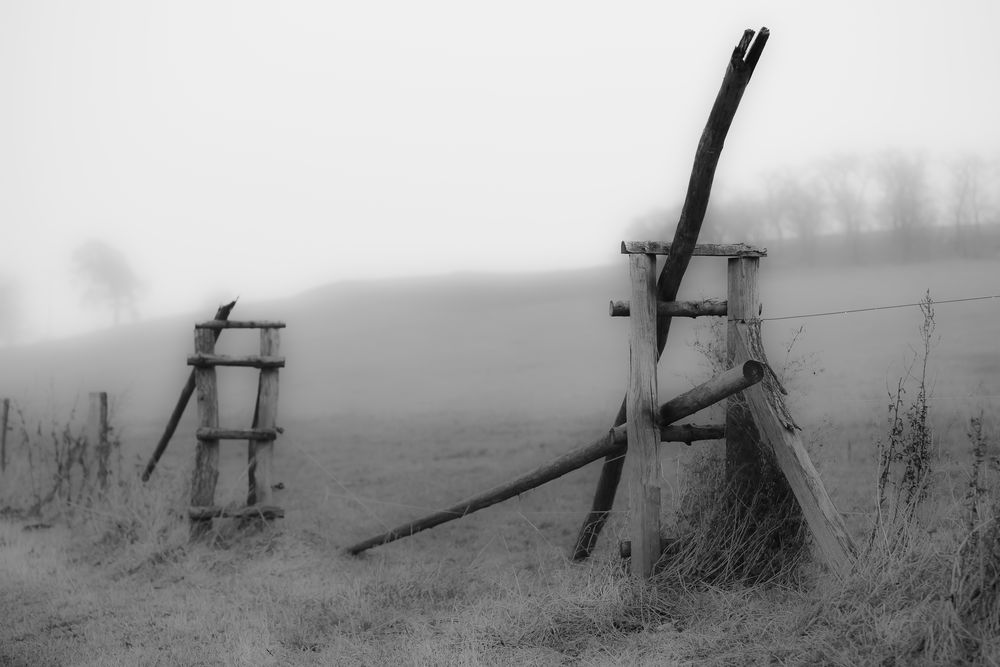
(893, 205)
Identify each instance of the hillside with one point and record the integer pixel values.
(514, 345)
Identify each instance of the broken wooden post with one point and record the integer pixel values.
(738, 72)
(206, 464)
(778, 430)
(175, 417)
(642, 464)
(97, 434)
(611, 445)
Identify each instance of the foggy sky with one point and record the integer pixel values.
(258, 149)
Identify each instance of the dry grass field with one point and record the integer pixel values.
(402, 398)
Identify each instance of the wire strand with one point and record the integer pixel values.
(865, 310)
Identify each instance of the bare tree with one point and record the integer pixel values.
(904, 197)
(968, 201)
(845, 180)
(108, 277)
(792, 203)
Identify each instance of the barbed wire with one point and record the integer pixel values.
(873, 308)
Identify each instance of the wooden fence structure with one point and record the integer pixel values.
(775, 428)
(260, 436)
(653, 304)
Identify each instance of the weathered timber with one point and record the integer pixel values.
(625, 546)
(236, 434)
(239, 324)
(675, 308)
(741, 66)
(688, 433)
(175, 417)
(4, 414)
(97, 434)
(206, 463)
(612, 445)
(247, 361)
(742, 461)
(267, 416)
(779, 431)
(204, 513)
(642, 465)
(700, 249)
(252, 450)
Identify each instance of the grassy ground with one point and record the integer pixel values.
(117, 582)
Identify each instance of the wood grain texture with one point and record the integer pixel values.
(203, 513)
(220, 323)
(743, 469)
(236, 434)
(200, 359)
(642, 465)
(206, 464)
(688, 433)
(707, 307)
(699, 250)
(267, 408)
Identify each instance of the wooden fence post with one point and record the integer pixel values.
(97, 434)
(642, 469)
(743, 304)
(206, 464)
(262, 463)
(3, 434)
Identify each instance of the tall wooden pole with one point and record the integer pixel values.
(641, 461)
(741, 66)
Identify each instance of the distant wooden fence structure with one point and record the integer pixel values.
(260, 436)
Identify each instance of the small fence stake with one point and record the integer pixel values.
(97, 434)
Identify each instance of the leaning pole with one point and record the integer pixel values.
(741, 67)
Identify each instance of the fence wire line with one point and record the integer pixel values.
(865, 310)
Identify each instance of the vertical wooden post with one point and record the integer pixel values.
(267, 411)
(641, 461)
(97, 434)
(206, 464)
(743, 296)
(4, 412)
(252, 450)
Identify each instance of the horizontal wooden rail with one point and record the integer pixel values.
(688, 433)
(250, 361)
(262, 511)
(701, 249)
(613, 443)
(205, 433)
(675, 308)
(241, 324)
